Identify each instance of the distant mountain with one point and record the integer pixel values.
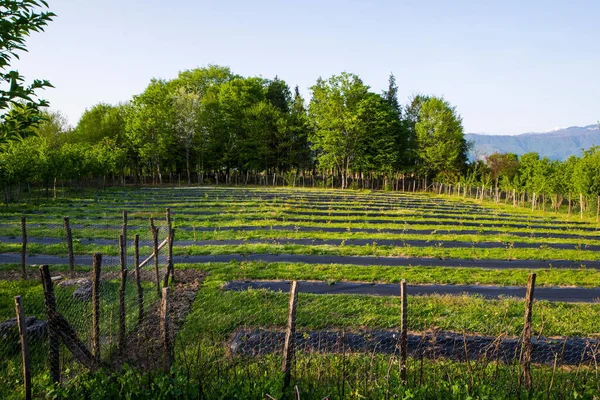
(558, 144)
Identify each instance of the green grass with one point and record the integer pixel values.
(203, 363)
(223, 272)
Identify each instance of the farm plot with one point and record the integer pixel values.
(466, 264)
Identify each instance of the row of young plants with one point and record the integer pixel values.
(203, 363)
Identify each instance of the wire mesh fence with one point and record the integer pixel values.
(105, 311)
(339, 345)
(91, 310)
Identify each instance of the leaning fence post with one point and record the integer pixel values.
(24, 347)
(96, 305)
(70, 246)
(164, 328)
(527, 349)
(403, 332)
(154, 230)
(290, 337)
(53, 338)
(24, 246)
(138, 283)
(121, 339)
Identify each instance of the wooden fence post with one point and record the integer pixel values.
(170, 267)
(527, 348)
(138, 283)
(53, 338)
(290, 337)
(164, 328)
(122, 315)
(24, 247)
(70, 246)
(403, 332)
(168, 212)
(154, 230)
(96, 305)
(170, 238)
(124, 233)
(24, 347)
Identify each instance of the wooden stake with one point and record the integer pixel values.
(53, 339)
(124, 233)
(290, 337)
(527, 347)
(171, 233)
(168, 213)
(156, 249)
(70, 246)
(24, 247)
(138, 283)
(164, 328)
(96, 306)
(24, 347)
(122, 315)
(403, 332)
(170, 267)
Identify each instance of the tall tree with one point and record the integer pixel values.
(337, 135)
(186, 105)
(440, 139)
(391, 95)
(149, 128)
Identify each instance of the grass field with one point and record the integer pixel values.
(422, 238)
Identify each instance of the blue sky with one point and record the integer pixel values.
(508, 66)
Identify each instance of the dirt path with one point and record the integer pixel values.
(144, 345)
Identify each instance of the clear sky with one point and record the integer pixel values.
(508, 66)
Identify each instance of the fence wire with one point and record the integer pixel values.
(340, 344)
(67, 343)
(349, 344)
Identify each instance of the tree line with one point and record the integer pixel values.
(531, 180)
(210, 125)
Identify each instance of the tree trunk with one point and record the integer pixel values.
(187, 165)
(580, 205)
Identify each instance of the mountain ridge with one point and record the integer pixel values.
(564, 142)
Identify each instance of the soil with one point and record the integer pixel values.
(11, 258)
(144, 348)
(331, 242)
(433, 345)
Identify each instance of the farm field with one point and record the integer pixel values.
(466, 265)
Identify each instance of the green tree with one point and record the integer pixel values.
(186, 105)
(391, 95)
(149, 128)
(19, 104)
(412, 111)
(100, 122)
(441, 143)
(337, 134)
(502, 166)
